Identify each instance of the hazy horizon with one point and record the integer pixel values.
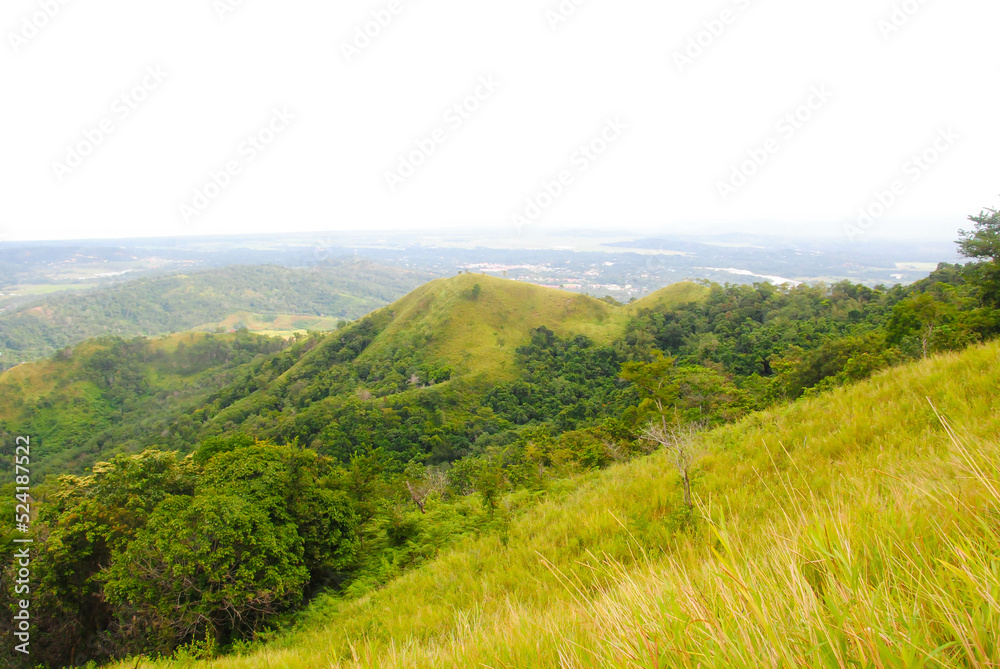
(225, 117)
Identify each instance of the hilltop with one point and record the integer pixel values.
(476, 322)
(439, 332)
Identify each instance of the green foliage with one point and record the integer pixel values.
(852, 529)
(152, 551)
(347, 460)
(113, 395)
(155, 306)
(213, 563)
(983, 243)
(213, 446)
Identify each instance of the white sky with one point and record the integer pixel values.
(612, 59)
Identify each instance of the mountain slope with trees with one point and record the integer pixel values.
(342, 289)
(854, 528)
(214, 484)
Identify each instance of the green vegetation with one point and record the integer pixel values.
(112, 395)
(263, 298)
(42, 289)
(491, 473)
(844, 530)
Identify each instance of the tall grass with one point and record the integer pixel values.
(856, 529)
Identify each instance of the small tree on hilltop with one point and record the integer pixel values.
(983, 243)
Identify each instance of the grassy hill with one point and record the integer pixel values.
(281, 325)
(478, 330)
(473, 448)
(271, 299)
(109, 395)
(439, 326)
(670, 297)
(852, 529)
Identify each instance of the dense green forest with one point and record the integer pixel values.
(339, 289)
(211, 484)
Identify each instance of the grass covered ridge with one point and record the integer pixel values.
(479, 330)
(850, 529)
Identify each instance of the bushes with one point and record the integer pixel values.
(213, 564)
(152, 551)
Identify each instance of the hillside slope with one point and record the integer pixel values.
(265, 298)
(446, 345)
(851, 528)
(478, 330)
(670, 297)
(110, 395)
(441, 333)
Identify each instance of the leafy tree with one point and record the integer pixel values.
(656, 381)
(89, 521)
(983, 244)
(983, 241)
(489, 480)
(212, 564)
(921, 314)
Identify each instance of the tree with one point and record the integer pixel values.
(291, 486)
(422, 483)
(214, 564)
(983, 243)
(90, 520)
(655, 380)
(489, 479)
(920, 314)
(682, 444)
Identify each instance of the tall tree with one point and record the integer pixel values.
(983, 243)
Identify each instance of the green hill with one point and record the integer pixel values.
(420, 460)
(271, 299)
(479, 364)
(479, 329)
(110, 395)
(440, 333)
(849, 529)
(670, 297)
